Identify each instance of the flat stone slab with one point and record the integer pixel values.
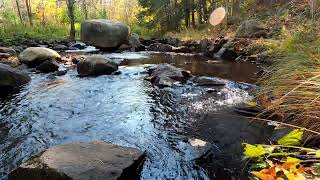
(83, 161)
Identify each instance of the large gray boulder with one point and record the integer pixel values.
(96, 65)
(104, 33)
(251, 29)
(34, 56)
(10, 77)
(83, 161)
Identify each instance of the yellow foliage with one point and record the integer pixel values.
(291, 169)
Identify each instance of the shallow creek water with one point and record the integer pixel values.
(127, 110)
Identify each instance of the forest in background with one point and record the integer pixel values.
(52, 18)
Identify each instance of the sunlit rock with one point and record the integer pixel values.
(35, 56)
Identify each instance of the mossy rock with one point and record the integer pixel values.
(251, 29)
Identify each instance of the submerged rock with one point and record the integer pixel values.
(60, 47)
(77, 45)
(182, 49)
(96, 65)
(83, 161)
(161, 47)
(166, 75)
(35, 56)
(61, 73)
(104, 33)
(48, 66)
(10, 77)
(208, 81)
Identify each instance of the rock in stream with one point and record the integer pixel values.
(83, 161)
(104, 33)
(166, 75)
(10, 77)
(35, 56)
(96, 65)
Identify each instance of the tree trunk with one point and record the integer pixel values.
(43, 12)
(205, 11)
(187, 13)
(19, 11)
(235, 7)
(29, 12)
(199, 13)
(70, 6)
(84, 8)
(193, 21)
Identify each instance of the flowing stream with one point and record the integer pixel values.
(123, 109)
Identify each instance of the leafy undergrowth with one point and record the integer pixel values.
(50, 31)
(284, 160)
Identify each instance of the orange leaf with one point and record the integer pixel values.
(266, 174)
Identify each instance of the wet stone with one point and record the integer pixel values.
(77, 45)
(82, 161)
(166, 75)
(10, 77)
(208, 81)
(60, 47)
(4, 55)
(48, 66)
(35, 56)
(96, 65)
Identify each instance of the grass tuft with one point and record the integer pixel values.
(291, 89)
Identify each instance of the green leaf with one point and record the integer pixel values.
(292, 139)
(318, 153)
(254, 151)
(261, 165)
